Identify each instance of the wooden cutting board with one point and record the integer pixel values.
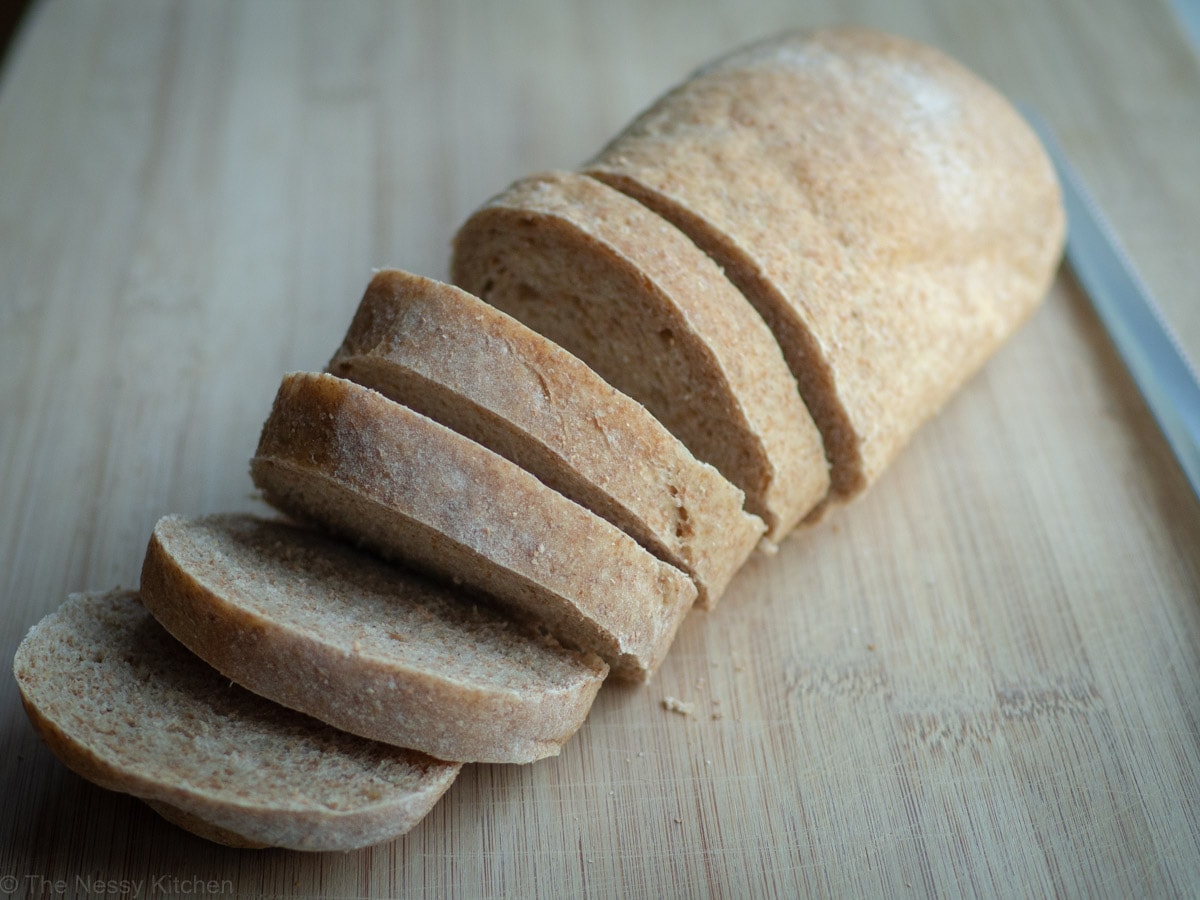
(982, 678)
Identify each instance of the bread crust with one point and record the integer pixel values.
(203, 828)
(471, 367)
(345, 456)
(889, 214)
(627, 292)
(78, 674)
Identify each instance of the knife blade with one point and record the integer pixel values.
(1151, 352)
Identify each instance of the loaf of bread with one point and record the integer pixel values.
(471, 367)
(393, 480)
(127, 707)
(790, 261)
(370, 648)
(889, 214)
(630, 295)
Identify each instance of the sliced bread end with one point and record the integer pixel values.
(126, 706)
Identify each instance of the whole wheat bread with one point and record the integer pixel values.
(628, 293)
(119, 701)
(471, 367)
(370, 648)
(889, 214)
(345, 456)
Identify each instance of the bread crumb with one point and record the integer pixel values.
(681, 707)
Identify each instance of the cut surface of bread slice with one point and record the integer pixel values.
(368, 647)
(126, 706)
(471, 367)
(345, 456)
(888, 213)
(629, 294)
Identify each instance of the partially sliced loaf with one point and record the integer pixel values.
(448, 355)
(630, 295)
(370, 648)
(123, 704)
(889, 214)
(347, 457)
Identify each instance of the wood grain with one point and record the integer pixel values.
(983, 678)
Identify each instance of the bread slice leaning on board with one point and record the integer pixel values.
(630, 295)
(837, 215)
(891, 216)
(471, 367)
(395, 481)
(129, 708)
(370, 648)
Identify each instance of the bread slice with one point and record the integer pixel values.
(126, 706)
(369, 648)
(469, 366)
(630, 295)
(888, 213)
(347, 457)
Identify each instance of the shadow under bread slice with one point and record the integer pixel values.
(364, 466)
(123, 704)
(890, 215)
(629, 294)
(471, 367)
(368, 647)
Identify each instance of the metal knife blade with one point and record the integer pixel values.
(1152, 353)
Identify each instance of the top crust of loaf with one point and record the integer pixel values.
(471, 367)
(628, 293)
(889, 214)
(369, 648)
(126, 706)
(347, 457)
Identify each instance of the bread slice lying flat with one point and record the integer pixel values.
(369, 648)
(888, 213)
(471, 367)
(347, 457)
(123, 704)
(630, 295)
